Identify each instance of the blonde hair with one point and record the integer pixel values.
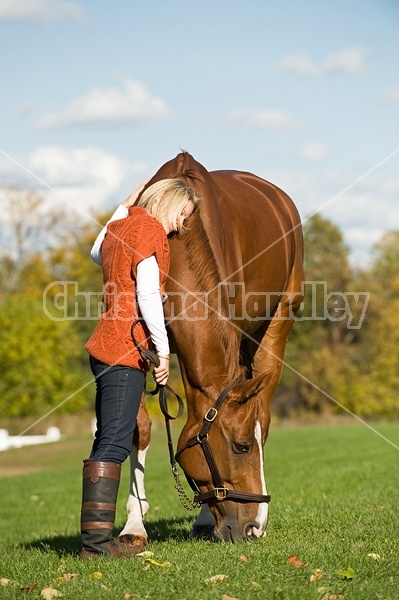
(166, 199)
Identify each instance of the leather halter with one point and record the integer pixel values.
(220, 491)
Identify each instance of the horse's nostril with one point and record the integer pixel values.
(249, 532)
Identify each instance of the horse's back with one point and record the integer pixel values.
(262, 231)
(248, 194)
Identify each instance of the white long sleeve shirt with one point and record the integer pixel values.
(147, 288)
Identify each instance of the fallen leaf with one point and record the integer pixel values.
(156, 563)
(348, 574)
(216, 578)
(29, 588)
(144, 554)
(374, 556)
(49, 592)
(95, 575)
(316, 575)
(243, 558)
(66, 577)
(255, 586)
(4, 581)
(294, 561)
(226, 597)
(127, 596)
(333, 597)
(103, 587)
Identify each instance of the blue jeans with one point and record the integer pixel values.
(118, 397)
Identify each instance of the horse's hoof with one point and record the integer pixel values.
(134, 543)
(202, 532)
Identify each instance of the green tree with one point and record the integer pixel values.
(43, 359)
(40, 360)
(377, 355)
(385, 264)
(318, 340)
(71, 262)
(327, 271)
(28, 228)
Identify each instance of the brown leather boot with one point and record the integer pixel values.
(100, 491)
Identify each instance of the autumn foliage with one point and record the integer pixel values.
(330, 366)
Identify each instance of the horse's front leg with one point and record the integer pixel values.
(134, 532)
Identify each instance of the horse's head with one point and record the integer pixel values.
(233, 442)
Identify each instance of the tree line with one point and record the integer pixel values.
(342, 355)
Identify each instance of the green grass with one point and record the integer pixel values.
(335, 493)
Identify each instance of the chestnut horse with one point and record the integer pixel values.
(233, 289)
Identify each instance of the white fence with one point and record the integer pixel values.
(17, 441)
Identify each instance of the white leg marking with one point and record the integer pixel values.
(137, 505)
(263, 510)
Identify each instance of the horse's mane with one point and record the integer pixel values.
(203, 264)
(201, 258)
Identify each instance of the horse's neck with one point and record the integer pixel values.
(206, 343)
(207, 348)
(202, 388)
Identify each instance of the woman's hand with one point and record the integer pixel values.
(161, 373)
(131, 201)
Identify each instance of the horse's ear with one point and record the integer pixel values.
(249, 388)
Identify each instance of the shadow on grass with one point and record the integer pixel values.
(159, 530)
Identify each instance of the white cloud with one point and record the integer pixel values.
(77, 178)
(315, 151)
(130, 104)
(42, 11)
(83, 178)
(361, 238)
(262, 119)
(391, 95)
(349, 61)
(361, 242)
(362, 212)
(10, 172)
(298, 64)
(363, 216)
(84, 166)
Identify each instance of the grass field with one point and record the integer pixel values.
(334, 511)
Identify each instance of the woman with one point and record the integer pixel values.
(134, 251)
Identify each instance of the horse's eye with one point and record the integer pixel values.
(241, 447)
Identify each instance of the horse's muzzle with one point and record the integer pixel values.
(253, 532)
(233, 532)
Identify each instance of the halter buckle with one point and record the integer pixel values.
(220, 493)
(211, 414)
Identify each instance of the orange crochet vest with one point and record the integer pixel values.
(126, 243)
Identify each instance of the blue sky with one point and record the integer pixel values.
(96, 96)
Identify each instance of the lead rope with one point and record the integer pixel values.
(149, 355)
(163, 404)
